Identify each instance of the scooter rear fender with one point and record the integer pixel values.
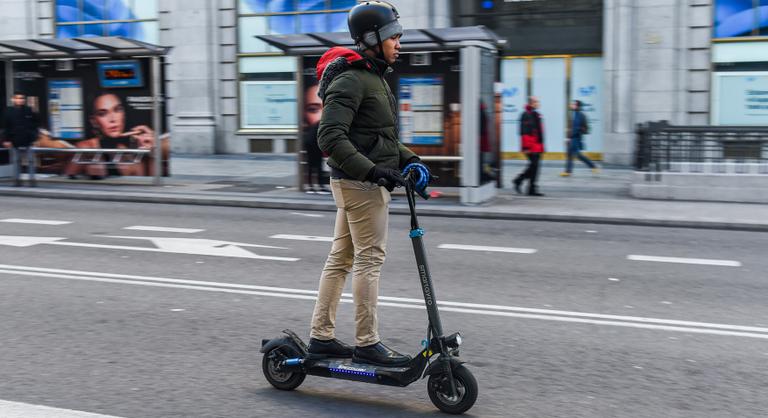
(290, 340)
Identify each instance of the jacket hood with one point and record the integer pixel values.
(334, 62)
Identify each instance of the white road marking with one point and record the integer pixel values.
(484, 248)
(409, 303)
(613, 279)
(308, 215)
(162, 245)
(25, 410)
(700, 261)
(34, 221)
(163, 229)
(302, 237)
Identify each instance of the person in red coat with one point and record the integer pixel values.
(532, 138)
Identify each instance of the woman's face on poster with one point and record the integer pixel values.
(108, 115)
(313, 107)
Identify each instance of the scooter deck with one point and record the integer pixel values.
(339, 368)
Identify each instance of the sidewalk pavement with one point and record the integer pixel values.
(270, 181)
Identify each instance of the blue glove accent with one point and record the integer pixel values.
(423, 172)
(416, 233)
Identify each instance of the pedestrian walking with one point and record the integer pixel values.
(575, 143)
(21, 128)
(532, 141)
(359, 131)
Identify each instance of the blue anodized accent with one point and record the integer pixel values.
(294, 361)
(418, 232)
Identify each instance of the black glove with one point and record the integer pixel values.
(387, 177)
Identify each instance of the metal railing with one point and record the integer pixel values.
(705, 149)
(88, 156)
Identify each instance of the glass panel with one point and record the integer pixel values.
(257, 65)
(252, 6)
(282, 25)
(93, 30)
(762, 22)
(313, 23)
(141, 31)
(68, 31)
(95, 10)
(68, 11)
(338, 22)
(306, 5)
(342, 4)
(145, 9)
(249, 27)
(587, 86)
(118, 10)
(548, 85)
(734, 18)
(279, 6)
(513, 98)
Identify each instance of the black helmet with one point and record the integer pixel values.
(372, 21)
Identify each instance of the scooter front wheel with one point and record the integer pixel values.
(439, 389)
(277, 376)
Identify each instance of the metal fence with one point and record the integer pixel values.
(701, 149)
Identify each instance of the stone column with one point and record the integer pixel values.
(189, 26)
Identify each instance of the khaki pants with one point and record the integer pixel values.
(359, 245)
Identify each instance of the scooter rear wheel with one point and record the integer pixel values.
(276, 376)
(439, 389)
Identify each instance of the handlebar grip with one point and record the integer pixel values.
(384, 182)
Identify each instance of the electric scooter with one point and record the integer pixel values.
(451, 386)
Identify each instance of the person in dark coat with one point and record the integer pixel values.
(579, 128)
(532, 140)
(21, 126)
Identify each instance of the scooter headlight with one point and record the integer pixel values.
(453, 340)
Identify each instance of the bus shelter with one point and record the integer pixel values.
(444, 83)
(73, 85)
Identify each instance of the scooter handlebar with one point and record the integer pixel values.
(409, 180)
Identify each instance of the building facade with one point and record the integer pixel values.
(691, 62)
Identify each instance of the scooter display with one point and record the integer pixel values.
(451, 386)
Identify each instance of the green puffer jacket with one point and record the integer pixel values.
(359, 127)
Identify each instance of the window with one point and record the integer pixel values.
(282, 17)
(135, 19)
(267, 82)
(735, 18)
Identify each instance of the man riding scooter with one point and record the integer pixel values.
(359, 132)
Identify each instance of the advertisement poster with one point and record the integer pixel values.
(268, 104)
(548, 84)
(421, 110)
(741, 99)
(83, 108)
(65, 108)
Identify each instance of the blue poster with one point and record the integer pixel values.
(421, 110)
(65, 108)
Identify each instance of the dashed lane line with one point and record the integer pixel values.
(35, 221)
(679, 260)
(163, 229)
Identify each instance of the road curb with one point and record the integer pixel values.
(396, 208)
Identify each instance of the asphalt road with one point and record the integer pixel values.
(104, 315)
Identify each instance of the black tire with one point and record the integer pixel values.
(280, 379)
(438, 388)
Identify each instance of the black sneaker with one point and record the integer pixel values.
(517, 182)
(329, 348)
(380, 355)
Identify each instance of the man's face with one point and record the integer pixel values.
(391, 49)
(19, 100)
(535, 103)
